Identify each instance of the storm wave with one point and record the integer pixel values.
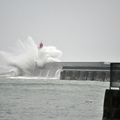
(31, 59)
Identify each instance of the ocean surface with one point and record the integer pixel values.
(51, 99)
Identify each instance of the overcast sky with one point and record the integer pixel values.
(85, 30)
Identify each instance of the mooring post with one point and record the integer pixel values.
(111, 108)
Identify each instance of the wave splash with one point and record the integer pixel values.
(32, 60)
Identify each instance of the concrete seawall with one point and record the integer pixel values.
(86, 71)
(85, 75)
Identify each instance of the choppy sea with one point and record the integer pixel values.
(51, 99)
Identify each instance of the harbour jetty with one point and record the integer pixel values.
(98, 71)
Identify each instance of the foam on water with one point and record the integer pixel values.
(32, 60)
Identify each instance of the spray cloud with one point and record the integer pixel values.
(31, 57)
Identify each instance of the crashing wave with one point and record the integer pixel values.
(32, 59)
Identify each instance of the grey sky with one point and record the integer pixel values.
(85, 30)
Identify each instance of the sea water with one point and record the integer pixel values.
(42, 99)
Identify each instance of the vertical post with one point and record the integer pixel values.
(111, 75)
(112, 96)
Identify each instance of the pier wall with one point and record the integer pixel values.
(85, 71)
